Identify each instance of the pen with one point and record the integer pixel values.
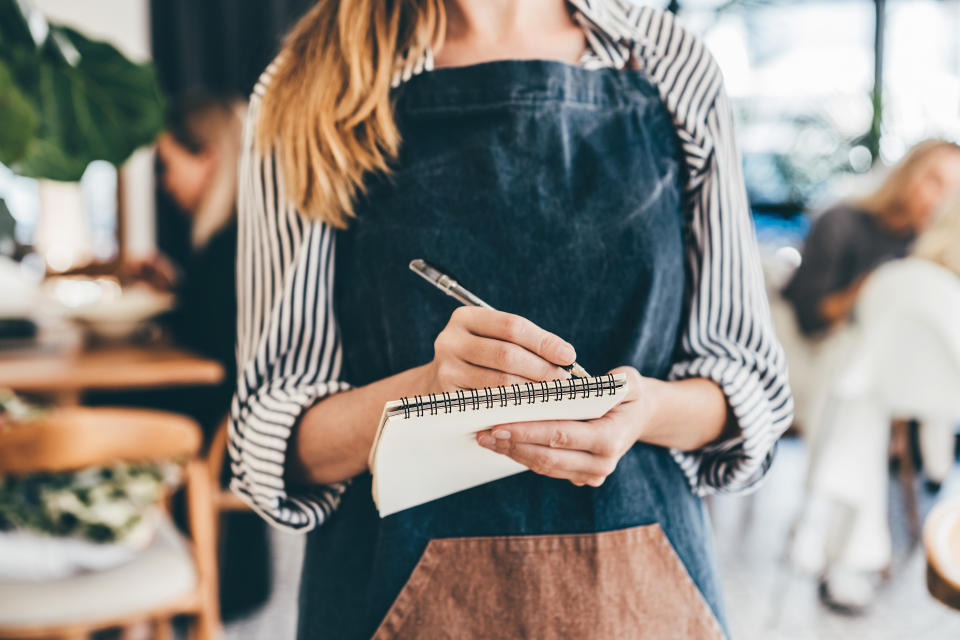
(455, 290)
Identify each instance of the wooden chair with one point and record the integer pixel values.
(941, 539)
(173, 576)
(223, 499)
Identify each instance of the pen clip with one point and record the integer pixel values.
(446, 283)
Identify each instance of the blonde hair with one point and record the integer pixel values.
(210, 123)
(941, 242)
(888, 201)
(327, 111)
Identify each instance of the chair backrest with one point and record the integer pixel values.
(908, 351)
(918, 289)
(78, 437)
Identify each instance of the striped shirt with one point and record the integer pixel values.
(288, 350)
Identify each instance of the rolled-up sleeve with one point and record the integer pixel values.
(728, 337)
(288, 350)
(728, 334)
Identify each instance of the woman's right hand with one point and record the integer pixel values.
(482, 347)
(156, 270)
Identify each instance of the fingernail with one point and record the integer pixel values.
(566, 353)
(500, 434)
(486, 441)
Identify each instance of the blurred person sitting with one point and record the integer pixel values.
(199, 155)
(905, 353)
(846, 243)
(851, 239)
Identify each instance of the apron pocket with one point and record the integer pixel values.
(628, 583)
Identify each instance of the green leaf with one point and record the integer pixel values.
(7, 226)
(14, 31)
(89, 101)
(18, 117)
(46, 159)
(98, 532)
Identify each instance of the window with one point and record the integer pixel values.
(921, 81)
(96, 236)
(22, 196)
(802, 76)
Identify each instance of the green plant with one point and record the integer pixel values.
(8, 237)
(100, 504)
(66, 100)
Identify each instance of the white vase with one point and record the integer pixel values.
(63, 238)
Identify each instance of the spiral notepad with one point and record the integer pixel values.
(425, 446)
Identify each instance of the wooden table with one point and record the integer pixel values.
(106, 368)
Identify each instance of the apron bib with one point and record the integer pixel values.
(553, 192)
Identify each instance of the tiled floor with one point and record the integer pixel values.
(278, 618)
(765, 599)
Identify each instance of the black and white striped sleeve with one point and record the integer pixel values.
(288, 351)
(728, 335)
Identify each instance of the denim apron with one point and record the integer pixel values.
(553, 192)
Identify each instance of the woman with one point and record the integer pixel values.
(904, 364)
(198, 155)
(850, 240)
(845, 244)
(573, 163)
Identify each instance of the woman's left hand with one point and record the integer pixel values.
(582, 451)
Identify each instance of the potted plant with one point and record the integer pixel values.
(65, 101)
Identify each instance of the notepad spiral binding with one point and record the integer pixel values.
(490, 397)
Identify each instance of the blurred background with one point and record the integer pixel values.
(120, 123)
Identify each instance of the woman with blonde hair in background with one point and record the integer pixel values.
(851, 239)
(573, 162)
(844, 245)
(903, 363)
(198, 155)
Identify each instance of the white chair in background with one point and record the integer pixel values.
(811, 363)
(903, 363)
(908, 353)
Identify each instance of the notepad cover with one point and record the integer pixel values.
(416, 459)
